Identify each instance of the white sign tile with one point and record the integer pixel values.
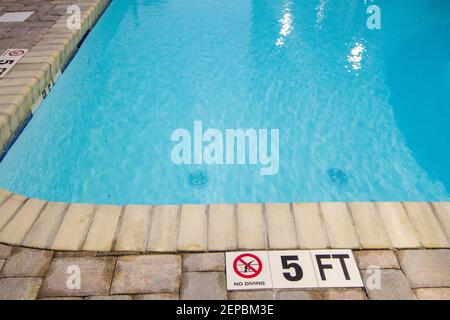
(15, 16)
(9, 58)
(292, 269)
(248, 270)
(336, 269)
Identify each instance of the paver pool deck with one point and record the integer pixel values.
(118, 245)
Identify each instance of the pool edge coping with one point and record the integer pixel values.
(58, 226)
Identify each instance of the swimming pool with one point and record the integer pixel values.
(363, 115)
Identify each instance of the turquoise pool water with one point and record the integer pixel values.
(362, 114)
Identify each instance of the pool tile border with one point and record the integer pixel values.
(185, 228)
(197, 228)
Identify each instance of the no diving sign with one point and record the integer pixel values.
(292, 269)
(248, 270)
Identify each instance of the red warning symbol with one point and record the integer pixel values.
(247, 266)
(15, 53)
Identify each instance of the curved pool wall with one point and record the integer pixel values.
(340, 94)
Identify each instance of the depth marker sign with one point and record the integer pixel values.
(292, 269)
(9, 58)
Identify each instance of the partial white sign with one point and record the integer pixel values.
(248, 270)
(336, 269)
(9, 58)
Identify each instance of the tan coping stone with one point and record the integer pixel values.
(5, 130)
(193, 228)
(16, 116)
(281, 226)
(64, 50)
(397, 225)
(74, 35)
(9, 208)
(74, 227)
(339, 224)
(52, 60)
(442, 210)
(4, 195)
(16, 229)
(369, 226)
(20, 101)
(58, 54)
(43, 77)
(251, 226)
(103, 228)
(222, 233)
(425, 222)
(163, 230)
(134, 228)
(32, 92)
(31, 82)
(310, 227)
(43, 231)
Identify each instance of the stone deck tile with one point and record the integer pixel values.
(398, 226)
(426, 268)
(44, 230)
(25, 262)
(147, 274)
(163, 229)
(369, 226)
(394, 286)
(339, 224)
(204, 262)
(430, 232)
(442, 210)
(193, 228)
(203, 286)
(134, 228)
(433, 294)
(5, 251)
(103, 228)
(252, 295)
(311, 231)
(74, 227)
(111, 297)
(222, 233)
(299, 295)
(157, 296)
(344, 294)
(96, 274)
(383, 259)
(251, 227)
(19, 288)
(281, 226)
(2, 263)
(18, 226)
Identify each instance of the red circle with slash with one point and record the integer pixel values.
(247, 266)
(16, 53)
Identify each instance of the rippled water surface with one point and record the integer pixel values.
(362, 114)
